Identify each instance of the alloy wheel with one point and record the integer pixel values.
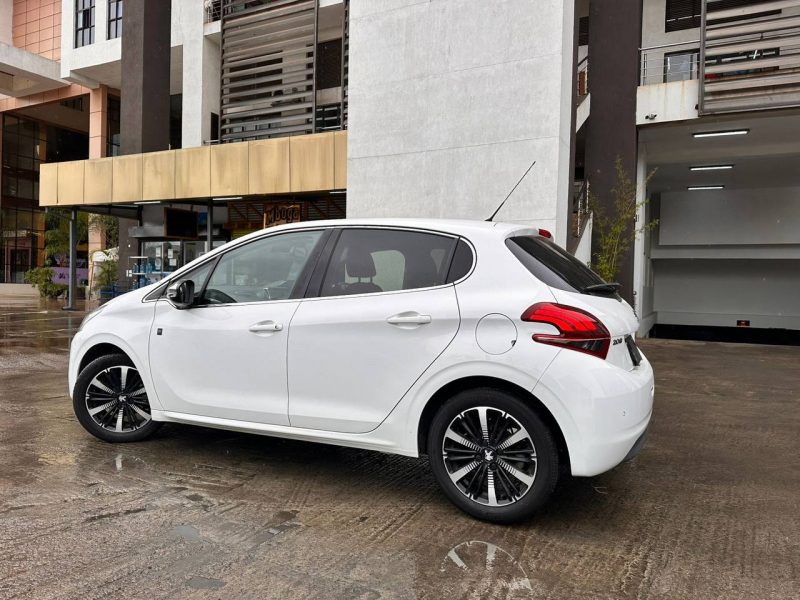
(117, 401)
(489, 456)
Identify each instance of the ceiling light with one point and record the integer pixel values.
(707, 134)
(697, 188)
(711, 168)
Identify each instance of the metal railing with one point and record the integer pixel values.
(580, 209)
(213, 10)
(669, 62)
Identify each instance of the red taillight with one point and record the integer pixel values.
(578, 329)
(545, 233)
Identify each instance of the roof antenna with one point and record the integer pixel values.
(494, 214)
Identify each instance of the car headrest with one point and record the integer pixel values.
(359, 263)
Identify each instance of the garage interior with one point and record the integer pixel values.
(722, 262)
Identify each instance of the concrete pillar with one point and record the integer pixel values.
(145, 93)
(98, 146)
(73, 260)
(446, 128)
(615, 33)
(145, 76)
(201, 76)
(98, 122)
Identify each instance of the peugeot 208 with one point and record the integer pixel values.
(483, 345)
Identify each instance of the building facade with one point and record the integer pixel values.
(280, 110)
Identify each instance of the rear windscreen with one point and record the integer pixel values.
(552, 265)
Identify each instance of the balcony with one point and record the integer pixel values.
(213, 10)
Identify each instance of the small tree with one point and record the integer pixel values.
(616, 230)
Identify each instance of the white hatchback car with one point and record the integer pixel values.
(483, 345)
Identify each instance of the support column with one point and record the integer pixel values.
(145, 76)
(73, 259)
(615, 34)
(210, 226)
(201, 76)
(98, 122)
(144, 102)
(98, 146)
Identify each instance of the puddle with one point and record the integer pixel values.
(205, 583)
(187, 533)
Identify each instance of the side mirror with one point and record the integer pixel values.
(181, 295)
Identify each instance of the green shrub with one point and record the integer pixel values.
(42, 278)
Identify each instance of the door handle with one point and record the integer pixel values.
(265, 327)
(409, 319)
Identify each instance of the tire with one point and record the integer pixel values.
(108, 407)
(524, 473)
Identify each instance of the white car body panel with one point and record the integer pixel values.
(349, 366)
(601, 407)
(200, 348)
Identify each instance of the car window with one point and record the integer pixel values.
(384, 260)
(551, 264)
(462, 262)
(197, 275)
(267, 269)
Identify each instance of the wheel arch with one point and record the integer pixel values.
(99, 350)
(452, 388)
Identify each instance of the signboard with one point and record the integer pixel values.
(279, 213)
(61, 275)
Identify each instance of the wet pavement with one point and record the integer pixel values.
(710, 509)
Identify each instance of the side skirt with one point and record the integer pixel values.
(365, 441)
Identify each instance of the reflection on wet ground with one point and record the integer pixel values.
(709, 510)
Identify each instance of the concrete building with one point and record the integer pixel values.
(243, 114)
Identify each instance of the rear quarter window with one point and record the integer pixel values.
(551, 264)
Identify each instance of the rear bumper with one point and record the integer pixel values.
(607, 408)
(637, 447)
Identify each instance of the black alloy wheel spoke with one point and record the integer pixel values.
(482, 468)
(120, 395)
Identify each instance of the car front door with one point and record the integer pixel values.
(383, 314)
(226, 356)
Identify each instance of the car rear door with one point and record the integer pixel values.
(383, 313)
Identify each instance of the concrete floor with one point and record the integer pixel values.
(710, 509)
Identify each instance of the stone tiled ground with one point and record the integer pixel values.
(710, 509)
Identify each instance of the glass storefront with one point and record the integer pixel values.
(27, 143)
(21, 221)
(159, 259)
